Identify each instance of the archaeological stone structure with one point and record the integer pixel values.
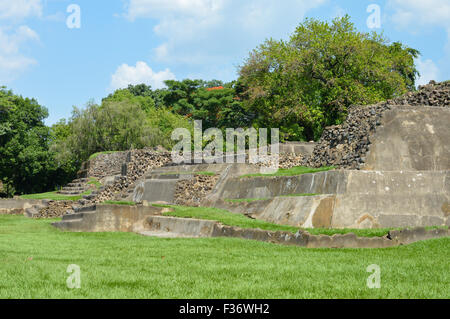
(389, 168)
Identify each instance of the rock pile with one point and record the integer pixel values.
(107, 165)
(191, 192)
(55, 209)
(345, 145)
(432, 94)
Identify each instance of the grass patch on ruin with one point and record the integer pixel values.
(123, 203)
(251, 200)
(239, 220)
(55, 196)
(95, 182)
(35, 256)
(294, 171)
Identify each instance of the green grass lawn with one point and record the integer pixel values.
(294, 171)
(34, 258)
(55, 196)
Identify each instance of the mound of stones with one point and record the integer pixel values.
(190, 192)
(345, 145)
(107, 165)
(54, 209)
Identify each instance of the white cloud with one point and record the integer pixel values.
(17, 10)
(431, 15)
(418, 13)
(14, 37)
(12, 61)
(428, 71)
(156, 8)
(207, 34)
(141, 73)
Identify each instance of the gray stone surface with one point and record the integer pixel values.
(411, 138)
(348, 199)
(109, 218)
(17, 206)
(302, 148)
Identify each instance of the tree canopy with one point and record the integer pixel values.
(306, 83)
(26, 163)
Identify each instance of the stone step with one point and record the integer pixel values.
(31, 212)
(69, 225)
(350, 210)
(81, 180)
(72, 189)
(76, 185)
(179, 227)
(163, 234)
(339, 182)
(89, 197)
(85, 208)
(74, 193)
(77, 216)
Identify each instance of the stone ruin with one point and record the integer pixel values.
(392, 169)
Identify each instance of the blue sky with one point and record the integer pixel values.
(134, 41)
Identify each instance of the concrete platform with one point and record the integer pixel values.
(109, 218)
(346, 199)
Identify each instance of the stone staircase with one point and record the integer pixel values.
(76, 187)
(78, 219)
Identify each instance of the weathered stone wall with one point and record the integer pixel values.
(411, 139)
(348, 199)
(346, 145)
(16, 206)
(109, 218)
(183, 227)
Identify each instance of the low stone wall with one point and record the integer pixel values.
(346, 199)
(185, 227)
(16, 206)
(300, 148)
(109, 218)
(204, 228)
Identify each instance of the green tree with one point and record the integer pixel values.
(306, 83)
(26, 163)
(121, 122)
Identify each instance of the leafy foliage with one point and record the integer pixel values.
(26, 163)
(123, 121)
